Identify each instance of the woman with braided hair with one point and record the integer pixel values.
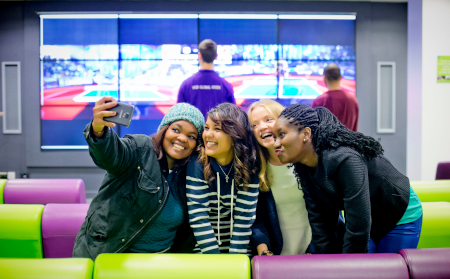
(344, 170)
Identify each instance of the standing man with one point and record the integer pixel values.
(343, 105)
(206, 89)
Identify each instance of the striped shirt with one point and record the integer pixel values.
(210, 210)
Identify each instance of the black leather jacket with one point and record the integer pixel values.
(132, 195)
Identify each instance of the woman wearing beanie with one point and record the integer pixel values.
(222, 183)
(141, 204)
(343, 170)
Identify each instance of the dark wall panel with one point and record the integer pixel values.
(317, 32)
(154, 31)
(12, 147)
(80, 31)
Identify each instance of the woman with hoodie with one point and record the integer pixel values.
(141, 204)
(222, 183)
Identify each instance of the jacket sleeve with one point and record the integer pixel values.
(352, 175)
(197, 193)
(117, 156)
(244, 217)
(323, 220)
(260, 234)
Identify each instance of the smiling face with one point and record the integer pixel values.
(217, 144)
(289, 143)
(262, 123)
(179, 141)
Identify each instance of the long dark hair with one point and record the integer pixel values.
(235, 123)
(328, 132)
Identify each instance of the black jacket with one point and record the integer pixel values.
(132, 195)
(266, 228)
(373, 194)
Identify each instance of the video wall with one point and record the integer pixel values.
(142, 59)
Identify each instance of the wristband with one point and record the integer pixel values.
(97, 134)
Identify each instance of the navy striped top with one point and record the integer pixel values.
(229, 231)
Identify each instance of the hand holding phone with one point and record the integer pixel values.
(123, 115)
(100, 111)
(107, 112)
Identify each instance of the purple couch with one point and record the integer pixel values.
(348, 266)
(43, 191)
(60, 225)
(427, 263)
(443, 170)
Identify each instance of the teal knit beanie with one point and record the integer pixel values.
(184, 111)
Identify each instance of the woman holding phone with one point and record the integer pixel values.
(344, 170)
(141, 204)
(222, 184)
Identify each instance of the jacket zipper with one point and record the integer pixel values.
(145, 225)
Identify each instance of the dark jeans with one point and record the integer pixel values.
(401, 237)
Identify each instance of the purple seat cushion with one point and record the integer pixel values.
(443, 170)
(43, 191)
(60, 226)
(348, 266)
(427, 263)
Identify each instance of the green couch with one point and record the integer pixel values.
(20, 231)
(46, 268)
(432, 191)
(436, 225)
(168, 266)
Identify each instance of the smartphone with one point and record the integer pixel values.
(123, 116)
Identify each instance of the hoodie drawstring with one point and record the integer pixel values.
(218, 208)
(232, 205)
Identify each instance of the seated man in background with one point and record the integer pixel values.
(342, 104)
(206, 89)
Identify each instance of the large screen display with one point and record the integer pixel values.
(142, 59)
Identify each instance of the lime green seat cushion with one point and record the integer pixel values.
(46, 268)
(168, 266)
(432, 191)
(2, 189)
(20, 233)
(435, 225)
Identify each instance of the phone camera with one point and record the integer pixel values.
(126, 115)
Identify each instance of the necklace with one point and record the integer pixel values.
(226, 175)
